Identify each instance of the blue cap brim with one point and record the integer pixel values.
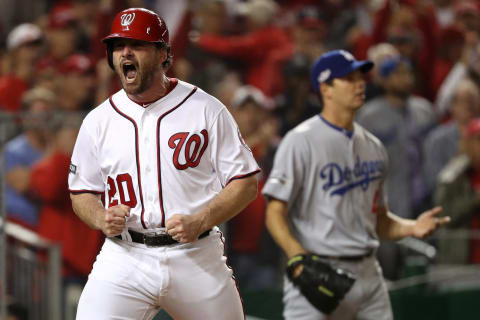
(364, 66)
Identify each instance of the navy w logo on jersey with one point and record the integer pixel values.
(339, 180)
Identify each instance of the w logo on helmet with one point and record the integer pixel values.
(126, 19)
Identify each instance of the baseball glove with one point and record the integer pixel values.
(322, 285)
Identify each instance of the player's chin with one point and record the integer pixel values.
(130, 87)
(358, 102)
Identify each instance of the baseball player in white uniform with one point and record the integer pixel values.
(327, 201)
(172, 164)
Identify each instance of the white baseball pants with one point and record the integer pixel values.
(190, 281)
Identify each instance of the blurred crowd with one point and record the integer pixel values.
(423, 103)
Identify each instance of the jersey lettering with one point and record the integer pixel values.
(123, 180)
(192, 157)
(341, 180)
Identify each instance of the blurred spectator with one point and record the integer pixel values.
(412, 28)
(76, 83)
(467, 13)
(353, 27)
(378, 54)
(24, 45)
(447, 55)
(226, 88)
(444, 11)
(251, 252)
(105, 83)
(308, 34)
(458, 192)
(401, 120)
(298, 102)
(23, 151)
(62, 37)
(83, 11)
(442, 143)
(252, 111)
(288, 66)
(256, 47)
(202, 67)
(57, 221)
(467, 21)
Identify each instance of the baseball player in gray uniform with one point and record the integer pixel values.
(327, 204)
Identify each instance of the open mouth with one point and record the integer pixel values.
(130, 72)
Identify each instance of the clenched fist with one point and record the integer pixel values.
(183, 228)
(114, 220)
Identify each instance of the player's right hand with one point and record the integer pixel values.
(115, 219)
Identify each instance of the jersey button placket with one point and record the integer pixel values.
(150, 168)
(146, 165)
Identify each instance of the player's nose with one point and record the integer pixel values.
(127, 50)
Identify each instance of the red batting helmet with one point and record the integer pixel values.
(136, 23)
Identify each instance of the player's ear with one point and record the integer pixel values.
(162, 55)
(324, 89)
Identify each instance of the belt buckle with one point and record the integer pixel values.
(151, 239)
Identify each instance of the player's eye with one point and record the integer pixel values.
(118, 45)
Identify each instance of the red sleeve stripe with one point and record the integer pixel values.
(86, 191)
(244, 176)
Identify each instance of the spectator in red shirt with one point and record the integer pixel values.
(62, 37)
(24, 45)
(57, 221)
(447, 55)
(246, 231)
(76, 83)
(254, 48)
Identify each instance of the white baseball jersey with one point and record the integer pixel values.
(172, 156)
(332, 179)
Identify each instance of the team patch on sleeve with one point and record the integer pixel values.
(73, 168)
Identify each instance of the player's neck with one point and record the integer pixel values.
(158, 90)
(343, 119)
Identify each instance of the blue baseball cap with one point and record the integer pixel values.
(336, 64)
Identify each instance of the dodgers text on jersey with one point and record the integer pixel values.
(339, 180)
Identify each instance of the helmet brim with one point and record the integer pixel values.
(114, 36)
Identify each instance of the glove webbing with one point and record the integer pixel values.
(301, 259)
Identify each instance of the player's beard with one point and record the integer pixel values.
(144, 79)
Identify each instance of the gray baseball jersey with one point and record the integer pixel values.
(332, 180)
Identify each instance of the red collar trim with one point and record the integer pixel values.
(171, 85)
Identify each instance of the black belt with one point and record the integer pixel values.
(156, 240)
(347, 258)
